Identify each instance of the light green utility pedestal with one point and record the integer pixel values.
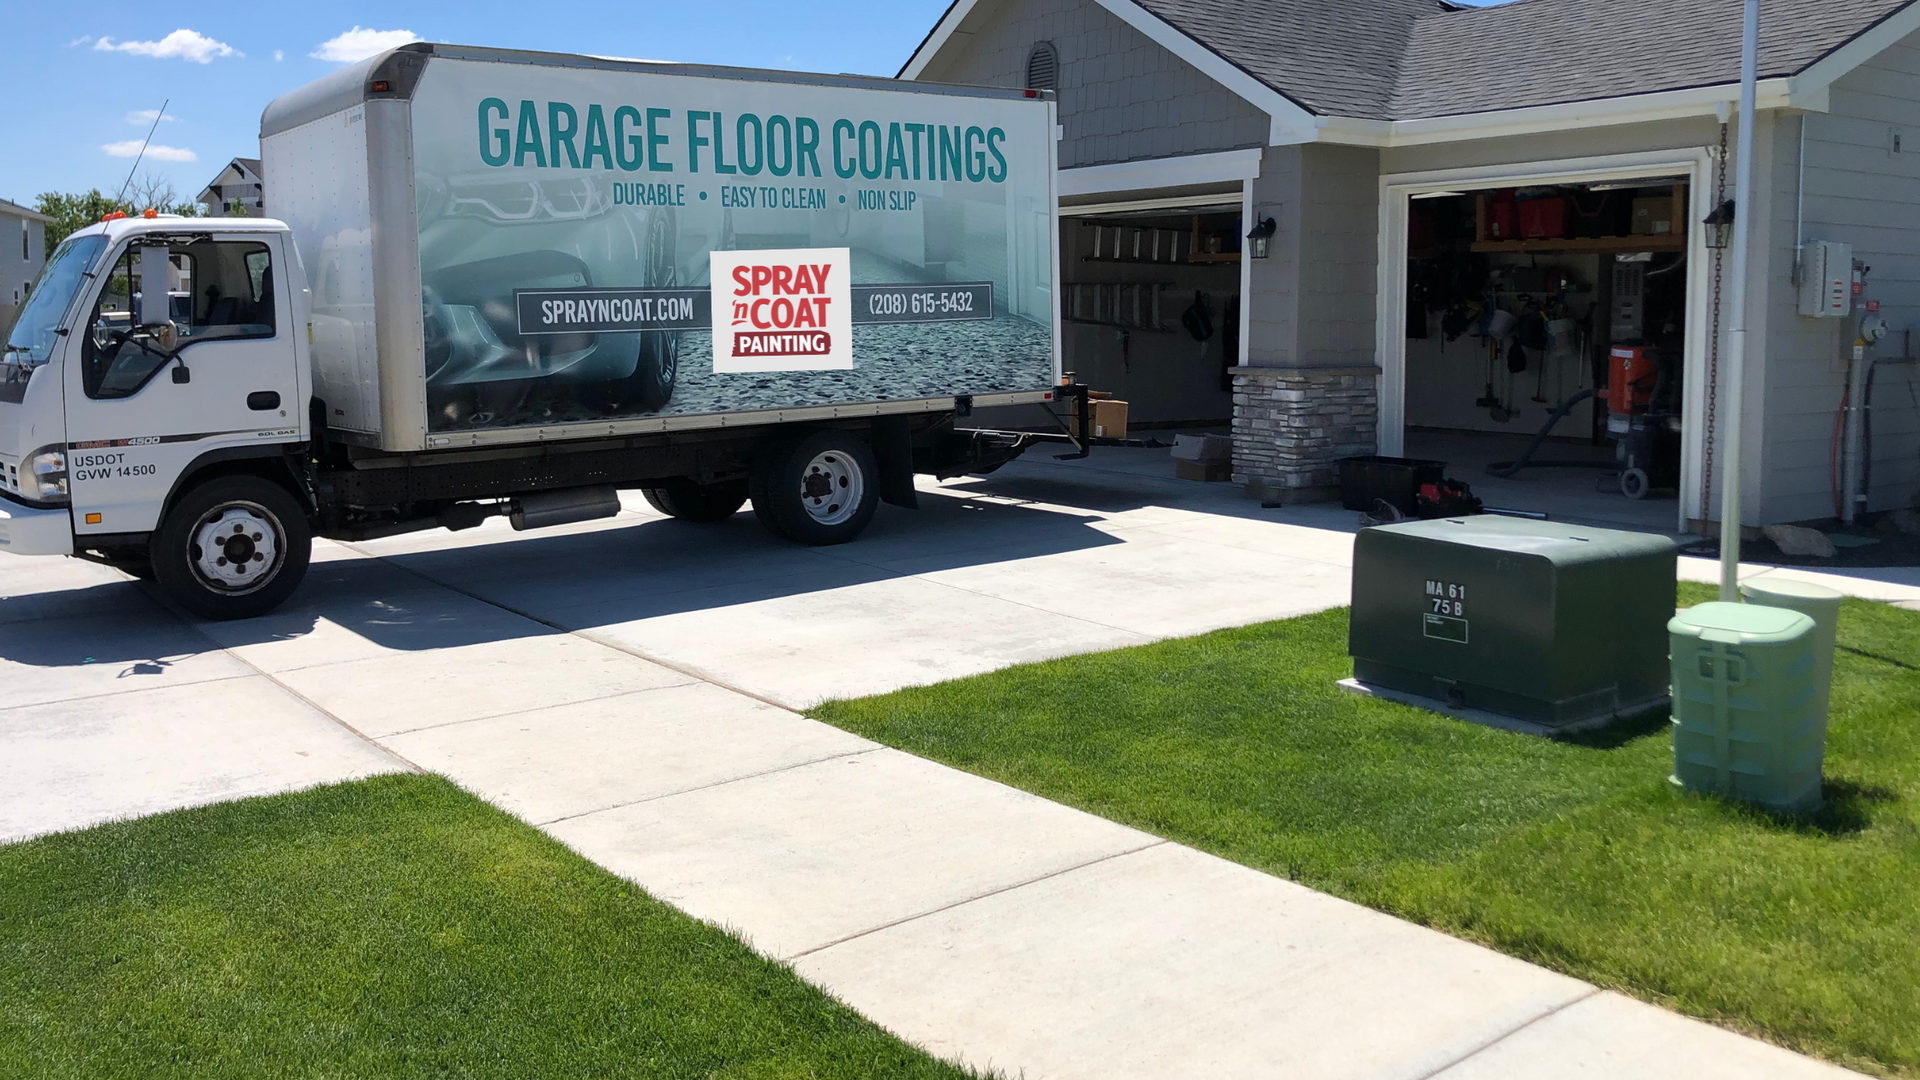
(1747, 721)
(1817, 602)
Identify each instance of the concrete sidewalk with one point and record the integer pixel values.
(629, 687)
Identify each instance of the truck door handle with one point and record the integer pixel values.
(263, 400)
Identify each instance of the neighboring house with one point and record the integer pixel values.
(1391, 143)
(242, 179)
(23, 251)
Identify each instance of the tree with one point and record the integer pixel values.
(71, 211)
(154, 192)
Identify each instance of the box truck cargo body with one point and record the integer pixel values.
(509, 283)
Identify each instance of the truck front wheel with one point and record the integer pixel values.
(690, 501)
(232, 548)
(819, 488)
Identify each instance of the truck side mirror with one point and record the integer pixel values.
(181, 374)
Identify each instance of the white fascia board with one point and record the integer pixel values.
(1571, 116)
(1226, 166)
(1287, 116)
(943, 31)
(1889, 32)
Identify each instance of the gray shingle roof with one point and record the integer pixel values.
(1332, 57)
(1405, 59)
(1545, 52)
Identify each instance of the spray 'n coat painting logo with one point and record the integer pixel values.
(782, 310)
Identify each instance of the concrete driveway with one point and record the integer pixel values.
(630, 686)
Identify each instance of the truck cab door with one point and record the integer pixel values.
(155, 386)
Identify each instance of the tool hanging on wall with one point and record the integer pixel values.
(1488, 400)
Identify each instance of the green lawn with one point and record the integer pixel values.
(396, 927)
(1576, 854)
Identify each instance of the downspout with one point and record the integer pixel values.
(1730, 516)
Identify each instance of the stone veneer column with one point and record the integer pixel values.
(1291, 427)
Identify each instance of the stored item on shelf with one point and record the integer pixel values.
(1653, 215)
(1543, 219)
(1503, 220)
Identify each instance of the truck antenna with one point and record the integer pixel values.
(157, 117)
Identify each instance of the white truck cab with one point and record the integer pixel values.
(149, 392)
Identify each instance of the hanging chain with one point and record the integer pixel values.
(1713, 338)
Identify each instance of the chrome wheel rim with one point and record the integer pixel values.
(236, 548)
(831, 487)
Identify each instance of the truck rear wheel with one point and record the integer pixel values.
(232, 548)
(689, 501)
(819, 488)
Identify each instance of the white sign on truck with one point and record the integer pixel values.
(510, 284)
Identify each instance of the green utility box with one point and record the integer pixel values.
(1556, 625)
(1747, 717)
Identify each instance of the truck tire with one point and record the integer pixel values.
(816, 488)
(689, 501)
(232, 548)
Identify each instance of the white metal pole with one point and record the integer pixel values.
(1734, 395)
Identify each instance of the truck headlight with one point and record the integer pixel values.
(48, 468)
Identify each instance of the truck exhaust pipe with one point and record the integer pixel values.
(546, 508)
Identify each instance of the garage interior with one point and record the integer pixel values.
(1150, 309)
(1523, 303)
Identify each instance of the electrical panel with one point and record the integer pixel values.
(1629, 315)
(1826, 279)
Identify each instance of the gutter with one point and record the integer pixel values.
(1779, 93)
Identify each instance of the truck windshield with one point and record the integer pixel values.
(30, 342)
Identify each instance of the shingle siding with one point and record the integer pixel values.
(1122, 97)
(1858, 191)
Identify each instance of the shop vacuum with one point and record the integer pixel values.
(1643, 419)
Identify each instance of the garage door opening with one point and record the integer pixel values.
(1547, 342)
(1150, 310)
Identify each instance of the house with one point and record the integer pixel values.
(1426, 167)
(23, 251)
(241, 180)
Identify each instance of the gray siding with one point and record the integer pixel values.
(1122, 97)
(17, 273)
(1857, 191)
(1312, 301)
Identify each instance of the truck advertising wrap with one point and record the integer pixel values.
(609, 243)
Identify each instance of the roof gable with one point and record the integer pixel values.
(1395, 60)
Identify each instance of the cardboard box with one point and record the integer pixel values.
(1653, 216)
(1207, 449)
(1109, 420)
(1211, 472)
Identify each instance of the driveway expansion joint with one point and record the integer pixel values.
(709, 787)
(997, 891)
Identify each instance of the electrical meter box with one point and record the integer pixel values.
(1826, 279)
(1552, 624)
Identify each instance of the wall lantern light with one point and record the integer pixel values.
(1261, 237)
(1719, 225)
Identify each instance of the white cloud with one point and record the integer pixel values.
(81, 40)
(359, 43)
(179, 45)
(155, 151)
(279, 54)
(148, 116)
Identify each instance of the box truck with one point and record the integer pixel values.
(502, 283)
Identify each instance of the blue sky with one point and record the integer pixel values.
(86, 73)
